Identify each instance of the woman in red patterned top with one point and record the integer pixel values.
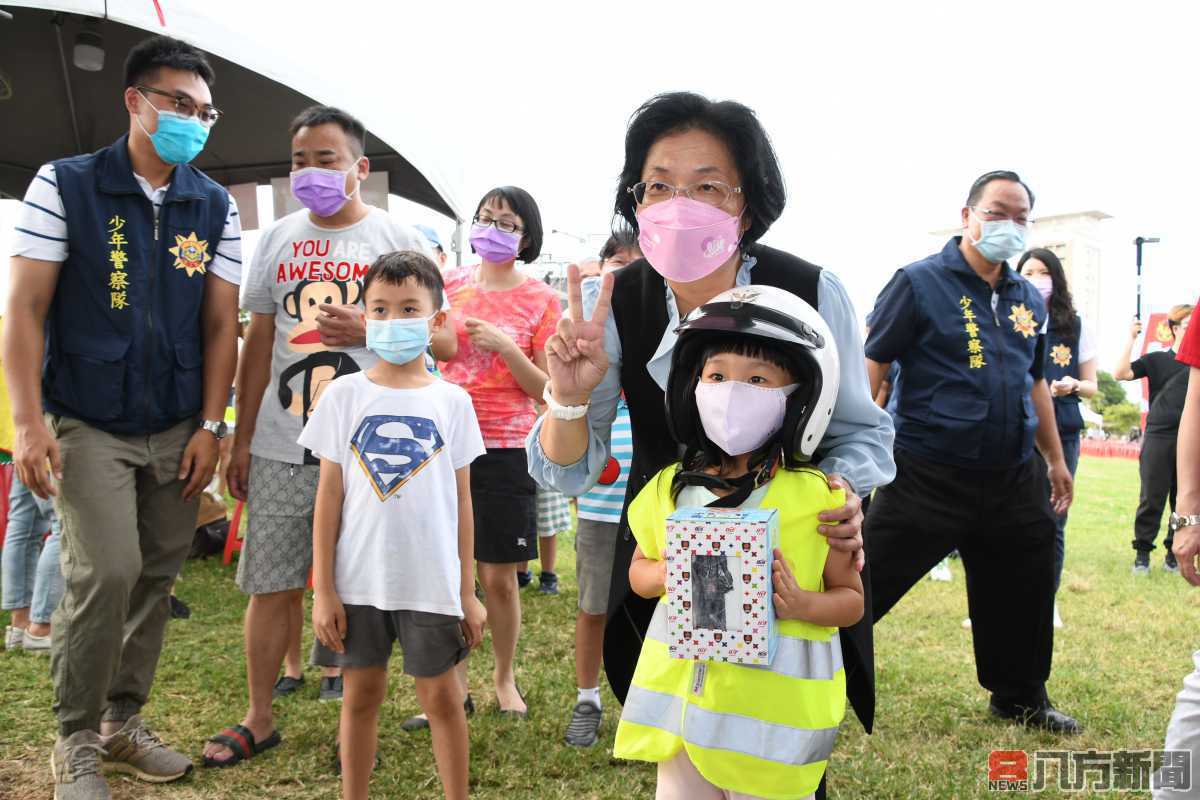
(503, 320)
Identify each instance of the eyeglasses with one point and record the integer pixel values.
(186, 107)
(713, 193)
(988, 215)
(500, 225)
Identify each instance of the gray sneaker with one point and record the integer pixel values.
(1141, 563)
(35, 644)
(13, 637)
(75, 765)
(136, 751)
(584, 727)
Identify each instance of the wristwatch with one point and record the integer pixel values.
(1184, 520)
(559, 411)
(217, 428)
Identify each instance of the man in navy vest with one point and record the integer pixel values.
(120, 348)
(972, 402)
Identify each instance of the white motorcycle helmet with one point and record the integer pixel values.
(789, 324)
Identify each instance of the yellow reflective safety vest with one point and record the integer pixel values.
(762, 731)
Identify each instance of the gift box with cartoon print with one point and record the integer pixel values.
(719, 591)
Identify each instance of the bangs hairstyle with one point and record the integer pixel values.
(699, 451)
(735, 125)
(996, 175)
(323, 115)
(397, 267)
(622, 239)
(150, 55)
(1062, 305)
(521, 203)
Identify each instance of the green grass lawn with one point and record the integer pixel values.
(1118, 664)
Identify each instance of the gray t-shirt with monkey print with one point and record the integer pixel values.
(297, 267)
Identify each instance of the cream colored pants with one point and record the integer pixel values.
(678, 779)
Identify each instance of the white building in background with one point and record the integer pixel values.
(1077, 239)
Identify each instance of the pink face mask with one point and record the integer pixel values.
(1043, 284)
(686, 240)
(739, 417)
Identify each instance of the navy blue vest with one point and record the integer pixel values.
(963, 397)
(124, 345)
(1062, 359)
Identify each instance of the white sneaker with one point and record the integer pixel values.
(941, 572)
(36, 644)
(966, 624)
(1057, 619)
(13, 637)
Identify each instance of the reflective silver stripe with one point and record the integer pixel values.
(795, 657)
(654, 709)
(781, 744)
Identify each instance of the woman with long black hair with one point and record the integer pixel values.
(1070, 370)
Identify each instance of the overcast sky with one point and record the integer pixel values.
(882, 113)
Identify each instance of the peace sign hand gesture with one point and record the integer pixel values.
(575, 353)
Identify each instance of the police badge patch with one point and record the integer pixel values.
(191, 253)
(391, 450)
(1023, 321)
(1060, 354)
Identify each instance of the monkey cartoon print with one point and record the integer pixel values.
(299, 267)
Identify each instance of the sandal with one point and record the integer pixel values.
(337, 758)
(242, 744)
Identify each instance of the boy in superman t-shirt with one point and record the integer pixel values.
(393, 531)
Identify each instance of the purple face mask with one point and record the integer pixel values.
(321, 191)
(496, 246)
(739, 417)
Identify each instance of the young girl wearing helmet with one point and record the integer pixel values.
(754, 377)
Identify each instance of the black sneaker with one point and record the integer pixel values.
(1141, 563)
(287, 685)
(421, 723)
(331, 690)
(547, 583)
(179, 609)
(524, 578)
(584, 728)
(1169, 563)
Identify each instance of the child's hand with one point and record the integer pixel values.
(791, 602)
(662, 575)
(474, 618)
(329, 620)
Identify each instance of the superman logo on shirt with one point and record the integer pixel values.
(392, 449)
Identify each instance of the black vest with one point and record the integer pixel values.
(639, 309)
(1062, 359)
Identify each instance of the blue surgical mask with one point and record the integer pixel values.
(178, 139)
(999, 240)
(398, 341)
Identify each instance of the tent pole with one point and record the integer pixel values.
(62, 58)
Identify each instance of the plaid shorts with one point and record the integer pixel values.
(277, 552)
(553, 513)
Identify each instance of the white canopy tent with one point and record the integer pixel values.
(52, 106)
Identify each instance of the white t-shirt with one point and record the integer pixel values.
(298, 266)
(41, 229)
(1087, 342)
(399, 449)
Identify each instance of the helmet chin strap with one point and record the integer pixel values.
(739, 488)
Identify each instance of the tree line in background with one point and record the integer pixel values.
(1121, 417)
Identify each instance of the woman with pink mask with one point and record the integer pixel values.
(1070, 369)
(700, 185)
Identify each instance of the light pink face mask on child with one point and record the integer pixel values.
(686, 240)
(739, 417)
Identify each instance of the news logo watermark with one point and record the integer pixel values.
(1089, 771)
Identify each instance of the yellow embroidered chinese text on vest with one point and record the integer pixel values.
(762, 731)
